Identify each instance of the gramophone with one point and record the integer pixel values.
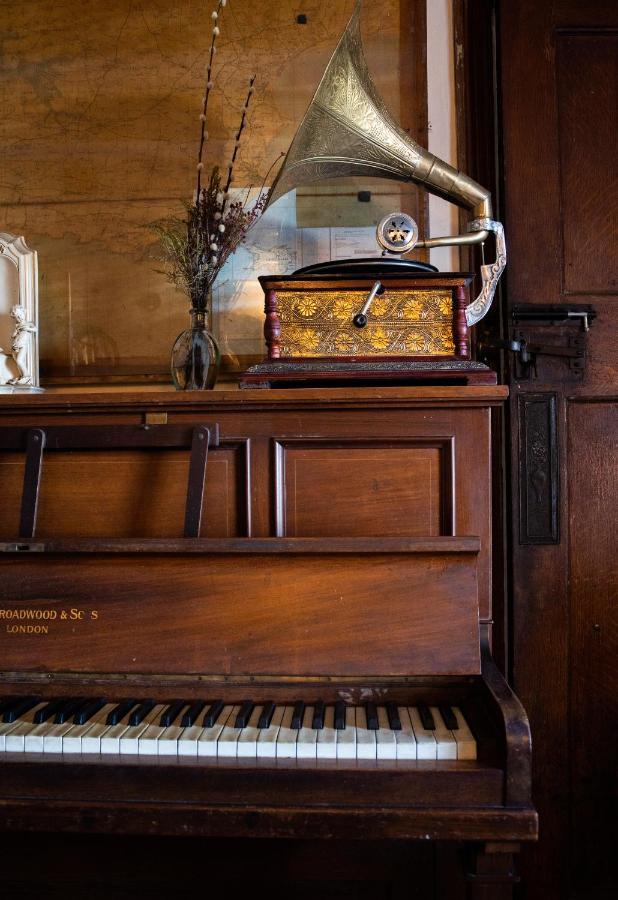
(383, 317)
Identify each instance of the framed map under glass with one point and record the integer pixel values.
(99, 137)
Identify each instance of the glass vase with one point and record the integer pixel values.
(195, 356)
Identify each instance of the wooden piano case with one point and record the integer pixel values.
(342, 549)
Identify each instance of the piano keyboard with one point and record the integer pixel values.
(242, 730)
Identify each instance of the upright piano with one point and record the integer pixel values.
(257, 613)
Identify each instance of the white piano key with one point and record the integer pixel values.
(365, 737)
(148, 741)
(327, 736)
(52, 739)
(247, 741)
(447, 745)
(207, 741)
(167, 745)
(110, 739)
(426, 747)
(129, 740)
(13, 735)
(405, 740)
(466, 744)
(227, 743)
(386, 743)
(267, 739)
(306, 745)
(346, 737)
(72, 740)
(287, 737)
(92, 740)
(188, 740)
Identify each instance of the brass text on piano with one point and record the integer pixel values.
(15, 618)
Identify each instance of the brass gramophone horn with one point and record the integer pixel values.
(347, 130)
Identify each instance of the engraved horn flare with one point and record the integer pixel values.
(347, 130)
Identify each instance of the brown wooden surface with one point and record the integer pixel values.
(381, 612)
(559, 89)
(248, 491)
(409, 483)
(252, 614)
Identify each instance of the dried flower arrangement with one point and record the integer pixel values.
(196, 248)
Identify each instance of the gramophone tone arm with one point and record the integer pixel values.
(454, 240)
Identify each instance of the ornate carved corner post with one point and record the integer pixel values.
(491, 872)
(272, 325)
(460, 324)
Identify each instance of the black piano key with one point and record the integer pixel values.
(171, 713)
(297, 714)
(88, 710)
(244, 714)
(71, 706)
(340, 715)
(318, 715)
(18, 708)
(213, 713)
(393, 716)
(448, 717)
(372, 716)
(50, 709)
(426, 717)
(138, 715)
(6, 702)
(119, 712)
(189, 718)
(268, 710)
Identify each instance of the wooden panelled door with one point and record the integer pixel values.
(558, 81)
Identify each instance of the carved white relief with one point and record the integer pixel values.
(19, 314)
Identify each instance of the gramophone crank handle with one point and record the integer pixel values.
(360, 319)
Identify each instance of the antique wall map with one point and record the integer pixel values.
(98, 133)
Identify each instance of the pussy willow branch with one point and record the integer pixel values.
(241, 127)
(207, 90)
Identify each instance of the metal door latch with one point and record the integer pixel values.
(527, 346)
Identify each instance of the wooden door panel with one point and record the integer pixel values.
(593, 609)
(559, 86)
(587, 101)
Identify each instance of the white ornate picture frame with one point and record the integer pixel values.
(19, 315)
